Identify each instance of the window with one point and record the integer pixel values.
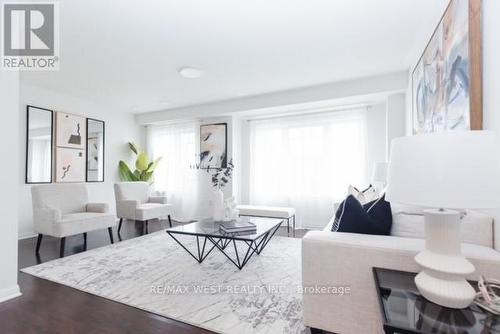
(307, 162)
(176, 144)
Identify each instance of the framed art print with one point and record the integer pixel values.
(70, 165)
(447, 80)
(213, 145)
(70, 131)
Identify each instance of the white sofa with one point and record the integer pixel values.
(346, 260)
(61, 210)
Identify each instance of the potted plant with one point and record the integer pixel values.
(144, 168)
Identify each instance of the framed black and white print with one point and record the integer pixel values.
(213, 145)
(70, 131)
(70, 165)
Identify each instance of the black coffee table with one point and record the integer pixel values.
(210, 230)
(404, 310)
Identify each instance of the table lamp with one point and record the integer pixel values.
(445, 172)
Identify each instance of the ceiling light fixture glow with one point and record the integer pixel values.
(190, 72)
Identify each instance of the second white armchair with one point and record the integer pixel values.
(133, 202)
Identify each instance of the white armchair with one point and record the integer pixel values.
(133, 202)
(62, 210)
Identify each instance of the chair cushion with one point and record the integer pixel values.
(76, 223)
(148, 211)
(265, 211)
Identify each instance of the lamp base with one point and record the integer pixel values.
(442, 280)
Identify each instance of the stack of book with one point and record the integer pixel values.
(238, 227)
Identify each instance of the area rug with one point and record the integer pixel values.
(155, 274)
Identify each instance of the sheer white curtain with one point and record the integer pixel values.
(176, 144)
(307, 162)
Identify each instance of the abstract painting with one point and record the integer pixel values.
(446, 82)
(70, 165)
(213, 145)
(70, 131)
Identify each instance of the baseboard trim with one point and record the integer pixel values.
(27, 236)
(9, 293)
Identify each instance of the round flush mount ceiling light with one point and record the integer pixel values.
(190, 72)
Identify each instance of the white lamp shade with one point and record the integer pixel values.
(454, 170)
(380, 172)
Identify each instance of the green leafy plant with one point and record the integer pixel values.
(144, 169)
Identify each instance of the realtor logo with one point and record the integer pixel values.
(30, 36)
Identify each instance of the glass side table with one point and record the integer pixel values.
(405, 311)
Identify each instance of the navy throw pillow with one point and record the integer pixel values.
(372, 218)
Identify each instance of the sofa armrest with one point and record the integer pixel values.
(45, 218)
(347, 259)
(126, 208)
(158, 199)
(97, 207)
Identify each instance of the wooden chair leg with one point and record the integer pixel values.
(294, 226)
(169, 221)
(120, 225)
(61, 250)
(38, 243)
(110, 231)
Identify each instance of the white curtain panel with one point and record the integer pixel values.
(307, 162)
(177, 145)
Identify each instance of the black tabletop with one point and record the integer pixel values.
(404, 310)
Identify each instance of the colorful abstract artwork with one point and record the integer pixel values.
(213, 146)
(442, 79)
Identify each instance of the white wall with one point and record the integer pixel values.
(10, 170)
(376, 138)
(491, 79)
(120, 129)
(396, 118)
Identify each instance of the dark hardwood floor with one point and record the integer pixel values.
(47, 307)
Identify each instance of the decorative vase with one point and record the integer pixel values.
(218, 213)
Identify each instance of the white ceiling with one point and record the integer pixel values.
(126, 53)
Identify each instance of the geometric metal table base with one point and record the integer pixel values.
(223, 242)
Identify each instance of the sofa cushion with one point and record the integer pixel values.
(476, 228)
(372, 218)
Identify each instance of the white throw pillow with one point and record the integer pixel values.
(363, 196)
